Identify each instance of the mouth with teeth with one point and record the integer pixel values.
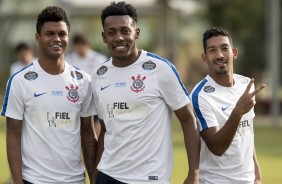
(120, 47)
(221, 63)
(56, 46)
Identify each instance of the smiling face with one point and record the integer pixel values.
(53, 40)
(219, 56)
(120, 34)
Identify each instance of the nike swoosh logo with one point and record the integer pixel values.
(223, 109)
(102, 88)
(39, 94)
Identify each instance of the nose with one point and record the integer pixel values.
(119, 37)
(219, 54)
(56, 37)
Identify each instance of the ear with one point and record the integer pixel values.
(137, 35)
(37, 37)
(204, 57)
(104, 37)
(235, 53)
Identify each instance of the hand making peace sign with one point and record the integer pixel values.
(246, 101)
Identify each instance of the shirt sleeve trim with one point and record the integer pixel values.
(195, 101)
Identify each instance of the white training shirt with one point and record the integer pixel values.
(136, 104)
(87, 63)
(213, 105)
(50, 107)
(17, 66)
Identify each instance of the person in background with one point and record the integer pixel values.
(48, 107)
(83, 57)
(224, 106)
(86, 59)
(24, 57)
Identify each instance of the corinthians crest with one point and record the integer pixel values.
(72, 93)
(138, 84)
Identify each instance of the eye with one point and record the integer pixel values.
(211, 50)
(110, 32)
(126, 31)
(48, 34)
(63, 34)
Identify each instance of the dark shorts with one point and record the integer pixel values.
(105, 179)
(96, 118)
(26, 182)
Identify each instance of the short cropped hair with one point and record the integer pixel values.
(215, 31)
(120, 8)
(51, 14)
(79, 39)
(22, 46)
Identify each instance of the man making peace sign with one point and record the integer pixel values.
(224, 106)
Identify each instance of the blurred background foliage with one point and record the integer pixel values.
(170, 28)
(246, 22)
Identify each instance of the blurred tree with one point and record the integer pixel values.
(245, 21)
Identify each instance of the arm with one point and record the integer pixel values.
(88, 144)
(192, 141)
(257, 169)
(14, 130)
(100, 146)
(219, 140)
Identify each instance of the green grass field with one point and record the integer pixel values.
(268, 145)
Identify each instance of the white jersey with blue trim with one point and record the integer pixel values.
(136, 104)
(50, 107)
(213, 105)
(18, 65)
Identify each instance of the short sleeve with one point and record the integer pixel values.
(171, 87)
(13, 105)
(94, 96)
(88, 107)
(203, 111)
